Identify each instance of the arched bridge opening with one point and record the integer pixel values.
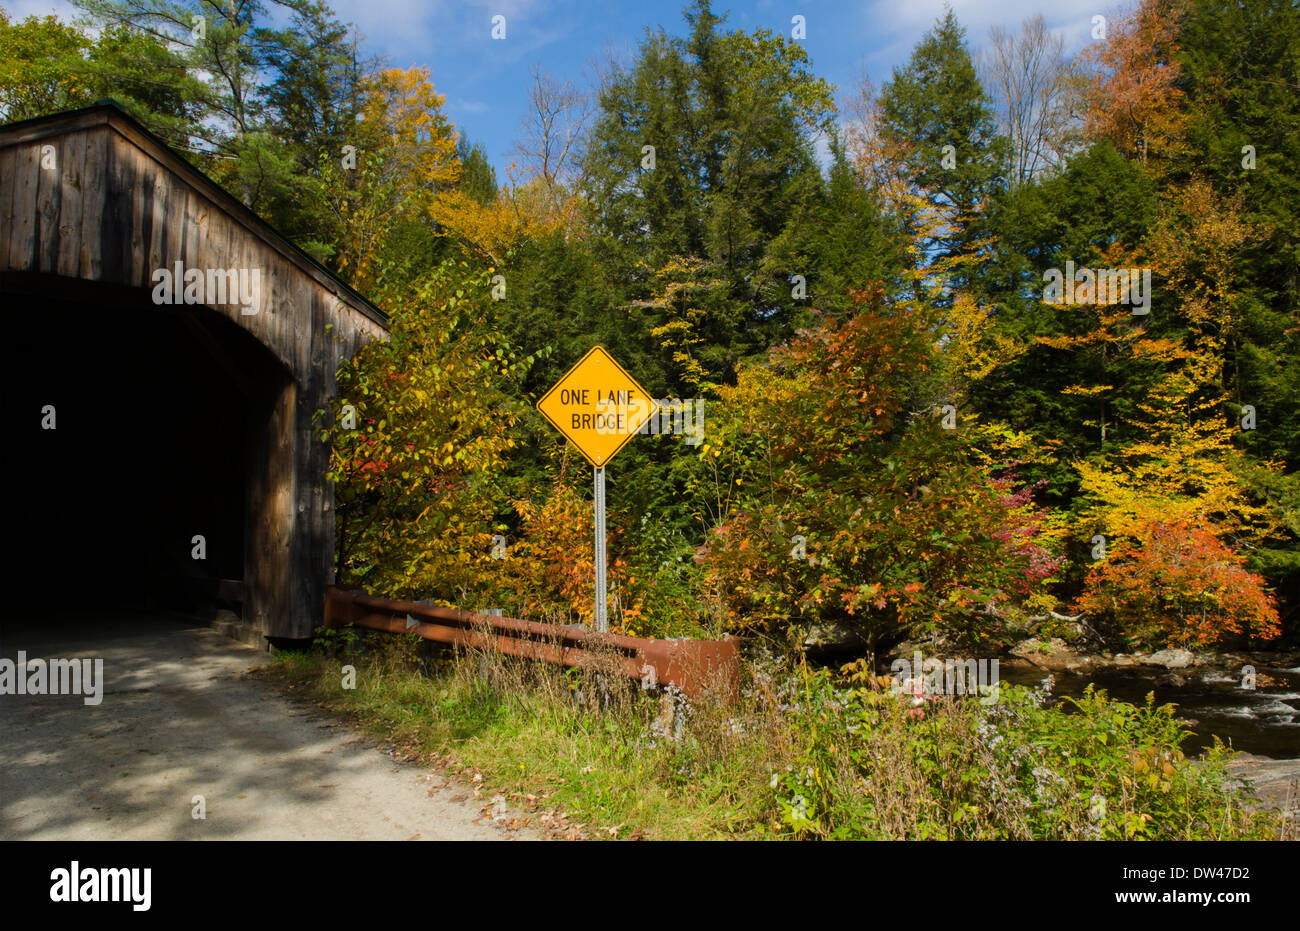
(169, 355)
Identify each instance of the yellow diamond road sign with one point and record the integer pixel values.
(598, 406)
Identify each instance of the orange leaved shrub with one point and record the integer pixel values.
(1178, 584)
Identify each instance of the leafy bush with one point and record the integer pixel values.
(418, 472)
(875, 766)
(547, 573)
(838, 441)
(1179, 585)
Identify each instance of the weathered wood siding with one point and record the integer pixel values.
(115, 206)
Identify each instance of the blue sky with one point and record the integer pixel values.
(485, 80)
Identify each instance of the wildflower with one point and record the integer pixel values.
(1097, 808)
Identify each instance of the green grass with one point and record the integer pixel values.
(800, 754)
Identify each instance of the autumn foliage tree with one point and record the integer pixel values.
(859, 507)
(420, 433)
(381, 192)
(1177, 584)
(1162, 384)
(1135, 98)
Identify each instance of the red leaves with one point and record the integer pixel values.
(896, 513)
(1179, 583)
(1023, 527)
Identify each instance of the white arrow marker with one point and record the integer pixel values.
(411, 622)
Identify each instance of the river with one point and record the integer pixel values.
(1264, 721)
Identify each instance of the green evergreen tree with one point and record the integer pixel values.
(260, 105)
(478, 177)
(1240, 71)
(938, 120)
(730, 118)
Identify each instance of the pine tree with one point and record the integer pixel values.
(478, 177)
(938, 121)
(729, 118)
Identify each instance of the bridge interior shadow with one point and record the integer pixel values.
(132, 430)
(132, 434)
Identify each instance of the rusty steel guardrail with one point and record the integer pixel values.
(694, 666)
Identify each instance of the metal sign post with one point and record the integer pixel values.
(602, 619)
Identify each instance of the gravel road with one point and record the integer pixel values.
(179, 719)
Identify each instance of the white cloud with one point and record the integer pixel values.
(21, 9)
(904, 24)
(415, 28)
(391, 24)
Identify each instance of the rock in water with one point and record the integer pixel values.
(1171, 659)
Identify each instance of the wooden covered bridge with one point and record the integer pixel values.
(167, 353)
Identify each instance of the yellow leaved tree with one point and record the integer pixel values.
(523, 210)
(383, 188)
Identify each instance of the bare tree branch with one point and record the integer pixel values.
(1029, 77)
(551, 133)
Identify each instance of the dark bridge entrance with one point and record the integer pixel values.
(159, 425)
(170, 421)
